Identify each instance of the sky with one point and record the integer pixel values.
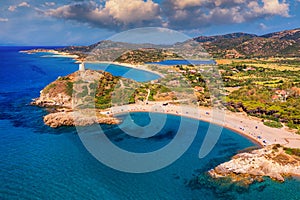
(84, 22)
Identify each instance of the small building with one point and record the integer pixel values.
(281, 95)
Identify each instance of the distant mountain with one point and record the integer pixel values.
(235, 45)
(242, 45)
(108, 50)
(220, 37)
(284, 35)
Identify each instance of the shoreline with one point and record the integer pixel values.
(138, 67)
(75, 57)
(51, 51)
(240, 123)
(248, 127)
(255, 141)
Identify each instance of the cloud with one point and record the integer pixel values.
(270, 7)
(188, 14)
(12, 8)
(3, 19)
(24, 4)
(50, 3)
(131, 11)
(176, 14)
(262, 26)
(187, 3)
(114, 14)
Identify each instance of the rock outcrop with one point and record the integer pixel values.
(271, 161)
(71, 99)
(55, 120)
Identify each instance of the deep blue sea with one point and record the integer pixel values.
(37, 162)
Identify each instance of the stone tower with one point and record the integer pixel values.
(81, 66)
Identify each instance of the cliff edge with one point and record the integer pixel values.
(70, 99)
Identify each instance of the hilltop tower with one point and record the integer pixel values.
(81, 66)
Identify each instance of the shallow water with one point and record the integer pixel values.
(118, 70)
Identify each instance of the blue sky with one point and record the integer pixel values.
(82, 22)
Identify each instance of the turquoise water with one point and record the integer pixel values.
(38, 162)
(118, 70)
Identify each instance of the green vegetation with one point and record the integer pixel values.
(292, 151)
(47, 89)
(266, 92)
(145, 56)
(104, 90)
(273, 124)
(69, 88)
(258, 101)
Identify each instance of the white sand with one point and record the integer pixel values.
(251, 127)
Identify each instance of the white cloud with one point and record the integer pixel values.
(12, 8)
(177, 14)
(24, 4)
(131, 11)
(114, 14)
(3, 19)
(181, 4)
(270, 7)
(50, 3)
(276, 8)
(263, 26)
(189, 14)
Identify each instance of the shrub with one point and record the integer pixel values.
(47, 89)
(273, 124)
(291, 151)
(69, 88)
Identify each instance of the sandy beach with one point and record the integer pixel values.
(250, 127)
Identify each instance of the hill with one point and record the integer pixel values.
(131, 53)
(242, 45)
(235, 45)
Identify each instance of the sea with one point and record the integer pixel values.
(38, 162)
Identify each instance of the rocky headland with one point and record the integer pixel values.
(67, 99)
(58, 119)
(273, 161)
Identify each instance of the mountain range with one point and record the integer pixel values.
(235, 45)
(242, 45)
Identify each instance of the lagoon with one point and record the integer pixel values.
(126, 72)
